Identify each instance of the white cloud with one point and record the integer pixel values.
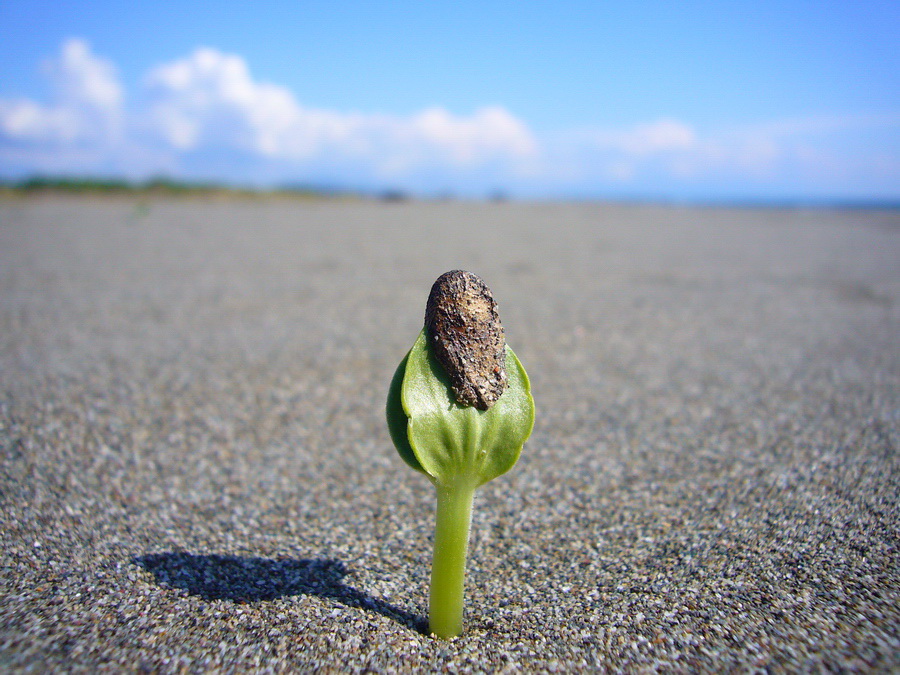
(86, 107)
(490, 132)
(209, 103)
(677, 149)
(84, 79)
(30, 122)
(211, 99)
(665, 135)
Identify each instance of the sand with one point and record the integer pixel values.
(196, 473)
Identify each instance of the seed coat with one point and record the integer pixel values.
(465, 334)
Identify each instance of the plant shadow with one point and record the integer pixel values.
(245, 579)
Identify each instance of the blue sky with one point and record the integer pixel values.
(727, 100)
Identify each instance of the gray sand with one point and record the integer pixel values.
(196, 473)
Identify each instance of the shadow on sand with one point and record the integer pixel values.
(246, 579)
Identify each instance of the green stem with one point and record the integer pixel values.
(448, 568)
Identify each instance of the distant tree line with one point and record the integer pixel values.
(152, 186)
(163, 186)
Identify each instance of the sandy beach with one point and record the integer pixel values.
(197, 476)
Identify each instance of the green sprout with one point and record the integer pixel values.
(459, 410)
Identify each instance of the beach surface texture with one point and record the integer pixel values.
(196, 474)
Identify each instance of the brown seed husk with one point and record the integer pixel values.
(464, 331)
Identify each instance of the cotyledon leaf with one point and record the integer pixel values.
(397, 420)
(453, 443)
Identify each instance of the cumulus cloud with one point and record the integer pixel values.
(679, 150)
(490, 132)
(86, 107)
(85, 79)
(209, 104)
(664, 135)
(211, 99)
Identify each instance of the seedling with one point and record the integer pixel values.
(459, 410)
